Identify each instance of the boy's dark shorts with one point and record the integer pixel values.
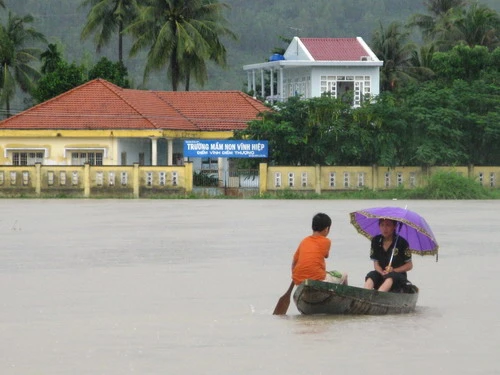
(399, 279)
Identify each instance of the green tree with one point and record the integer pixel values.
(392, 46)
(114, 72)
(107, 17)
(477, 25)
(17, 57)
(182, 35)
(50, 59)
(313, 131)
(64, 78)
(435, 24)
(461, 62)
(421, 60)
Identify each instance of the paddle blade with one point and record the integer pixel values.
(284, 302)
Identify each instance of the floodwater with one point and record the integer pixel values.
(188, 287)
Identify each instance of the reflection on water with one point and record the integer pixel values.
(189, 286)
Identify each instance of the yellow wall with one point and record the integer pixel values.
(138, 181)
(54, 142)
(89, 181)
(487, 176)
(55, 150)
(296, 178)
(331, 178)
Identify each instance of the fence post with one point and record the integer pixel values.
(38, 178)
(318, 179)
(374, 177)
(470, 171)
(262, 178)
(86, 180)
(188, 177)
(135, 180)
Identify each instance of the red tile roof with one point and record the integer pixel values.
(335, 49)
(99, 104)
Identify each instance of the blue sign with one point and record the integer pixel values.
(202, 148)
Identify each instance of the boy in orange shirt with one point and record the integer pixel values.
(309, 259)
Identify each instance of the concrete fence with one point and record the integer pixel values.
(95, 181)
(148, 181)
(320, 179)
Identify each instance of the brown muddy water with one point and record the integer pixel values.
(188, 287)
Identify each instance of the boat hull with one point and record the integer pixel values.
(318, 297)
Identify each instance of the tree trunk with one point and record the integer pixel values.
(120, 42)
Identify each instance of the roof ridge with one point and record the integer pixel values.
(157, 94)
(117, 91)
(250, 100)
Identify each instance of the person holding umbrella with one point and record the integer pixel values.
(391, 258)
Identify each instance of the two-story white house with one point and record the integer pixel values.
(312, 67)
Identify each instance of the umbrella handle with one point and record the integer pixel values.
(394, 247)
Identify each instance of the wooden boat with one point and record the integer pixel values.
(319, 297)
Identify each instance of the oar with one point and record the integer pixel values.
(283, 303)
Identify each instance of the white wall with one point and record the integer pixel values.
(371, 71)
(134, 146)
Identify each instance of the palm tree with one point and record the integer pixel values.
(16, 58)
(478, 25)
(391, 45)
(107, 17)
(434, 24)
(181, 34)
(421, 62)
(50, 59)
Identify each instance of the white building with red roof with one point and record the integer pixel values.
(312, 67)
(102, 124)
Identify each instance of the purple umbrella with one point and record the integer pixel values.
(412, 227)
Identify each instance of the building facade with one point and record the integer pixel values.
(99, 123)
(312, 67)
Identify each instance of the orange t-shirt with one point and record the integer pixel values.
(309, 259)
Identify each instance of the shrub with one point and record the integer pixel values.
(450, 185)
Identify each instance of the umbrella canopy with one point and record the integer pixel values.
(412, 227)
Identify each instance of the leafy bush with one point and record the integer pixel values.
(450, 185)
(203, 179)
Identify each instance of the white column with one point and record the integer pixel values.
(154, 151)
(248, 81)
(272, 85)
(170, 150)
(282, 95)
(262, 83)
(253, 83)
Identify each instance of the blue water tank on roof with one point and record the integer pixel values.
(276, 57)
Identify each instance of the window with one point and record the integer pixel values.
(27, 158)
(210, 164)
(400, 179)
(346, 179)
(277, 179)
(304, 179)
(361, 179)
(413, 179)
(332, 179)
(387, 179)
(92, 158)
